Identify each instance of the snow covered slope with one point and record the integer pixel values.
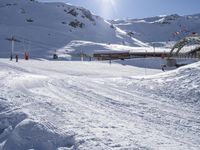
(91, 105)
(161, 30)
(43, 28)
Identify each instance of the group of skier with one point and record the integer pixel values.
(26, 57)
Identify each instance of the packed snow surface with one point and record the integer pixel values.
(94, 105)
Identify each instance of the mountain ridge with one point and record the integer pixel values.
(161, 30)
(51, 26)
(46, 28)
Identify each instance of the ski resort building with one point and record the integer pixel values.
(111, 55)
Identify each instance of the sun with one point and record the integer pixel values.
(107, 7)
(112, 3)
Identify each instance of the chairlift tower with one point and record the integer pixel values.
(13, 40)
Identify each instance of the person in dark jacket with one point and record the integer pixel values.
(11, 57)
(163, 68)
(16, 57)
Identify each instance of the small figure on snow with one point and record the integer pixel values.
(16, 57)
(26, 56)
(163, 68)
(110, 61)
(11, 57)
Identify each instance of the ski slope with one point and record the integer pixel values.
(42, 28)
(160, 31)
(96, 105)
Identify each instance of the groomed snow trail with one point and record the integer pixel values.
(90, 105)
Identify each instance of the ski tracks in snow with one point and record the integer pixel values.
(99, 111)
(142, 120)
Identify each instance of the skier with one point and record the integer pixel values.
(26, 56)
(110, 61)
(16, 58)
(11, 57)
(163, 68)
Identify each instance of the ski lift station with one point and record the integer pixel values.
(184, 50)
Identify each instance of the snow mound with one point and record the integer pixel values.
(182, 84)
(29, 134)
(8, 121)
(177, 86)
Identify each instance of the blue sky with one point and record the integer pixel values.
(121, 9)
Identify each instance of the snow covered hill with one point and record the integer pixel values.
(42, 28)
(74, 105)
(49, 105)
(160, 30)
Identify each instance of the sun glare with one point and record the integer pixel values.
(108, 7)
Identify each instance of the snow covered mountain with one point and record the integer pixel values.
(91, 105)
(43, 28)
(160, 30)
(46, 27)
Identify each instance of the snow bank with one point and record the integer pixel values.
(7, 122)
(17, 132)
(178, 86)
(30, 134)
(182, 84)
